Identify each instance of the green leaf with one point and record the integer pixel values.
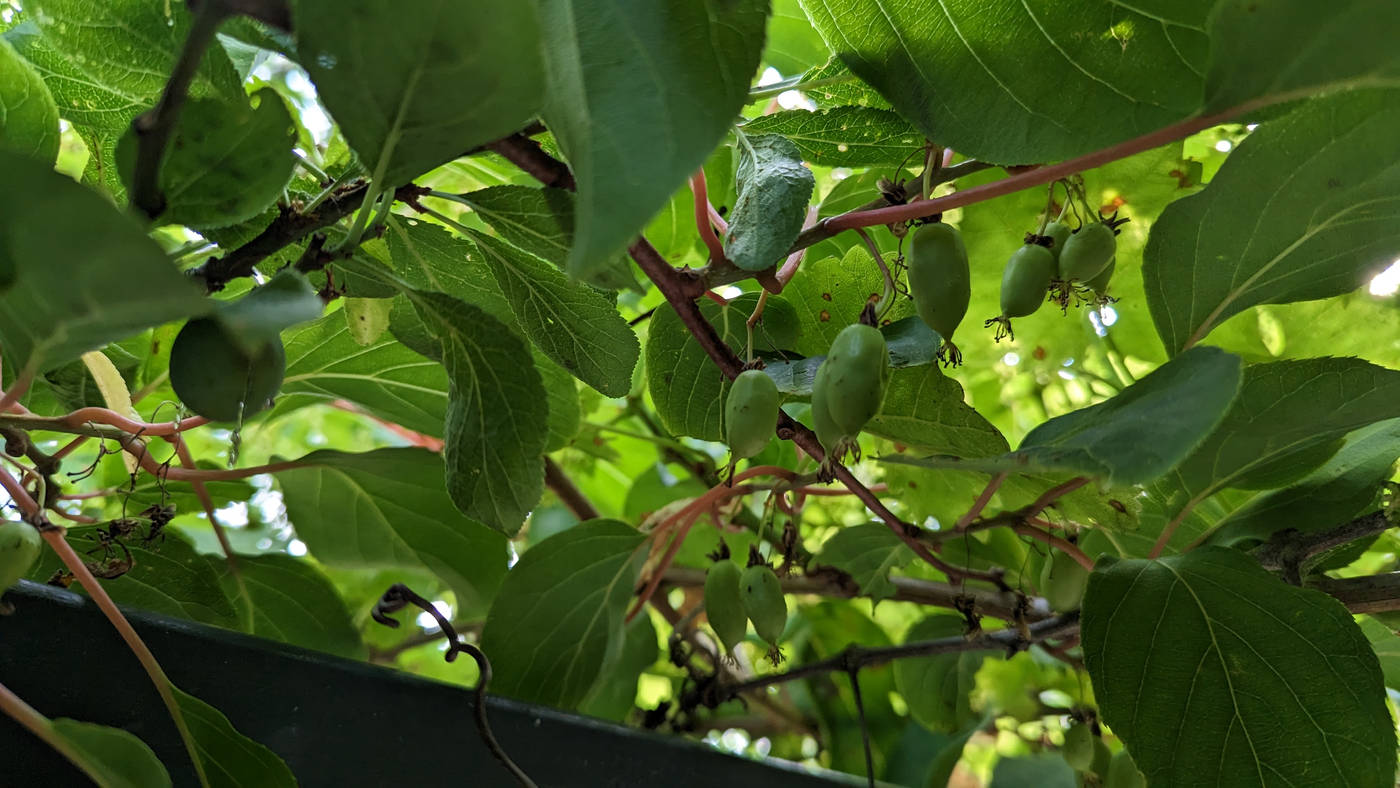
(1019, 85)
(774, 189)
(387, 508)
(1334, 493)
(1286, 421)
(867, 553)
(230, 759)
(937, 688)
(1132, 438)
(168, 576)
(1033, 771)
(428, 257)
(926, 409)
(540, 221)
(497, 412)
(415, 86)
(116, 57)
(259, 317)
(793, 47)
(294, 602)
(117, 758)
(830, 292)
(1286, 49)
(565, 416)
(226, 163)
(1305, 208)
(638, 95)
(558, 618)
(28, 116)
(910, 342)
(686, 389)
(575, 325)
(1387, 647)
(1214, 672)
(843, 136)
(615, 694)
(92, 103)
(85, 274)
(386, 378)
(366, 318)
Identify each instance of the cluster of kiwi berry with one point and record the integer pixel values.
(1055, 261)
(1087, 754)
(734, 597)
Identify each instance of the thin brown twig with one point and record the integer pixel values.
(568, 492)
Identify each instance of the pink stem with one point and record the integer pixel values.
(703, 209)
(982, 501)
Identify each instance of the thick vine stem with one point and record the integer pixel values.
(289, 227)
(828, 582)
(855, 657)
(1291, 553)
(154, 128)
(568, 492)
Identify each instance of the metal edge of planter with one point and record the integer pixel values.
(336, 722)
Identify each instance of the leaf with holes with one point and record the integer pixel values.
(575, 325)
(843, 136)
(1214, 672)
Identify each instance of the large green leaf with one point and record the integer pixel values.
(497, 413)
(925, 409)
(227, 161)
(168, 576)
(1292, 48)
(615, 694)
(867, 553)
(558, 618)
(1286, 421)
(84, 273)
(1387, 647)
(1332, 494)
(414, 86)
(639, 93)
(112, 757)
(843, 136)
(1307, 207)
(793, 47)
(387, 508)
(260, 315)
(1215, 672)
(576, 326)
(96, 104)
(540, 221)
(774, 189)
(120, 52)
(565, 416)
(28, 116)
(294, 602)
(829, 293)
(386, 378)
(229, 759)
(428, 257)
(1022, 83)
(685, 387)
(1132, 438)
(1033, 771)
(937, 688)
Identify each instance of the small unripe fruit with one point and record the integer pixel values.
(1058, 233)
(1087, 252)
(217, 379)
(1062, 581)
(857, 370)
(1078, 751)
(1025, 280)
(724, 604)
(750, 413)
(764, 602)
(20, 544)
(940, 281)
